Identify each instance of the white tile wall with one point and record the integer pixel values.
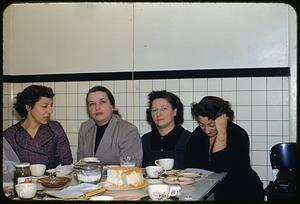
(186, 84)
(200, 84)
(259, 83)
(261, 106)
(243, 84)
(159, 84)
(229, 84)
(214, 84)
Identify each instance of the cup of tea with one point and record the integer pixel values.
(162, 191)
(155, 171)
(165, 163)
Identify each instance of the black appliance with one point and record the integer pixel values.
(283, 158)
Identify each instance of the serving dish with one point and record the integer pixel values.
(88, 172)
(54, 182)
(178, 180)
(111, 187)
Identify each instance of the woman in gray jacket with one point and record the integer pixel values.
(105, 135)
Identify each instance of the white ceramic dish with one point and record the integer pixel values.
(127, 196)
(172, 180)
(152, 181)
(101, 198)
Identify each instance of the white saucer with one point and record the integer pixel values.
(153, 180)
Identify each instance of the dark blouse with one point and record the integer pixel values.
(172, 145)
(50, 145)
(99, 135)
(241, 182)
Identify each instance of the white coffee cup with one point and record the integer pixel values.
(162, 191)
(165, 163)
(155, 171)
(37, 169)
(26, 190)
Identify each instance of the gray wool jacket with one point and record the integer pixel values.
(120, 138)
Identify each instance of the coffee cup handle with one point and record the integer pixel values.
(164, 171)
(156, 162)
(173, 191)
(21, 193)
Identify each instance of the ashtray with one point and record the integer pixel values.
(54, 182)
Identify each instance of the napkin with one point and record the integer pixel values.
(83, 190)
(63, 170)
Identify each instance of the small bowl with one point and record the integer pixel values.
(88, 172)
(37, 169)
(55, 182)
(26, 190)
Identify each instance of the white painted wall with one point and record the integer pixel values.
(51, 38)
(210, 35)
(67, 38)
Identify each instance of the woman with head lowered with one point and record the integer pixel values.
(220, 145)
(105, 135)
(35, 138)
(168, 138)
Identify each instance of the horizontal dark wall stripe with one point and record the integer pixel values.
(215, 73)
(201, 73)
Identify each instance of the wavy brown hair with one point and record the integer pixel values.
(29, 96)
(212, 107)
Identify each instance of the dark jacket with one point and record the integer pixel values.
(50, 145)
(241, 182)
(172, 145)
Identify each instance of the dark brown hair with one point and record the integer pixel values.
(108, 93)
(212, 107)
(172, 99)
(29, 96)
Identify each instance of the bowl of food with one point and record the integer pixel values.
(54, 182)
(88, 172)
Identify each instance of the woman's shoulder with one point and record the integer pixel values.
(87, 124)
(186, 132)
(54, 123)
(198, 136)
(11, 130)
(236, 128)
(124, 124)
(146, 135)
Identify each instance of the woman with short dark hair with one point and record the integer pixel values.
(168, 138)
(106, 135)
(220, 145)
(36, 138)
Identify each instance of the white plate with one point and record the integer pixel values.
(188, 175)
(172, 172)
(178, 180)
(152, 181)
(109, 186)
(127, 196)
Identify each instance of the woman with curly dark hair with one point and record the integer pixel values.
(168, 138)
(220, 145)
(36, 138)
